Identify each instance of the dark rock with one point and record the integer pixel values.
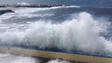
(5, 11)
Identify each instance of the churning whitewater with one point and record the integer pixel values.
(45, 28)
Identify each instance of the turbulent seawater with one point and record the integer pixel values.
(71, 28)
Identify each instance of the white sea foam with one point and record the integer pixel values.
(82, 33)
(7, 58)
(71, 6)
(58, 61)
(74, 6)
(0, 21)
(6, 16)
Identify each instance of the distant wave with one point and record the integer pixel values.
(74, 6)
(22, 3)
(71, 6)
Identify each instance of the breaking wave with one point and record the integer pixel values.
(82, 33)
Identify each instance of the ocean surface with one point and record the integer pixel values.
(85, 26)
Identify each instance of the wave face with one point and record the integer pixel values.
(69, 29)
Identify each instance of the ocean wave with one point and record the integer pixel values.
(81, 34)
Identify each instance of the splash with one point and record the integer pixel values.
(80, 34)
